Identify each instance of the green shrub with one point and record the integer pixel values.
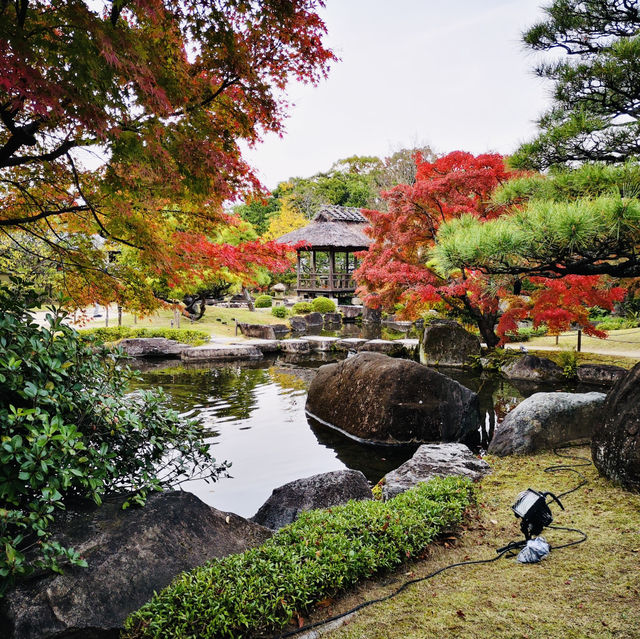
(568, 361)
(68, 428)
(319, 555)
(302, 308)
(323, 305)
(612, 323)
(263, 301)
(525, 333)
(279, 311)
(116, 333)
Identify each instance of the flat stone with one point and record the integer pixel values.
(320, 343)
(604, 374)
(152, 347)
(434, 460)
(265, 345)
(295, 346)
(319, 491)
(221, 351)
(350, 343)
(263, 331)
(385, 346)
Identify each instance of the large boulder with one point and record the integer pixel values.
(131, 553)
(371, 315)
(533, 368)
(446, 343)
(318, 491)
(374, 397)
(433, 460)
(152, 347)
(545, 420)
(298, 323)
(616, 442)
(313, 319)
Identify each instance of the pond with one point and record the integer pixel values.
(254, 415)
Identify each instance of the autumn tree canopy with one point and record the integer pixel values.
(120, 122)
(596, 83)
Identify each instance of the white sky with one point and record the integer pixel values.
(450, 74)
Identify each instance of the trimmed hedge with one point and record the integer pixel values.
(302, 308)
(323, 305)
(279, 311)
(320, 554)
(263, 301)
(116, 333)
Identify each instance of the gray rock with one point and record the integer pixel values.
(600, 374)
(446, 343)
(350, 313)
(388, 347)
(531, 367)
(350, 343)
(131, 553)
(320, 343)
(433, 460)
(545, 420)
(319, 491)
(296, 346)
(263, 331)
(313, 319)
(374, 397)
(221, 352)
(332, 318)
(371, 315)
(152, 347)
(298, 324)
(615, 446)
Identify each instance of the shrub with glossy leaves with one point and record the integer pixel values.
(69, 429)
(319, 555)
(323, 305)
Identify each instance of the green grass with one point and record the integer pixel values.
(590, 591)
(217, 321)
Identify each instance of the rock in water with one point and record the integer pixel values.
(545, 420)
(152, 347)
(433, 460)
(319, 491)
(531, 367)
(448, 344)
(377, 398)
(131, 553)
(616, 442)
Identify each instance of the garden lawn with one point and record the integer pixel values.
(217, 321)
(590, 591)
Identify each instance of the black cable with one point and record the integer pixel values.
(508, 550)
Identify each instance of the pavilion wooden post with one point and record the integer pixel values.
(298, 267)
(332, 268)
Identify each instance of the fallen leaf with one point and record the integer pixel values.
(460, 614)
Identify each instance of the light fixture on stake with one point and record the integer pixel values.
(531, 506)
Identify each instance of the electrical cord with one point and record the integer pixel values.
(508, 550)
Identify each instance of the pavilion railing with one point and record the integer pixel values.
(323, 281)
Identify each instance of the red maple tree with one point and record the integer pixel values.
(397, 271)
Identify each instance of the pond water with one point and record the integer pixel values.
(254, 417)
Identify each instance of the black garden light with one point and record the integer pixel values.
(531, 506)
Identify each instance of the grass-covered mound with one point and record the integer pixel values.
(116, 333)
(319, 555)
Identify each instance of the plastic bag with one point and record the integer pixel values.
(535, 550)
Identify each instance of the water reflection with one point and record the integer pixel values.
(254, 416)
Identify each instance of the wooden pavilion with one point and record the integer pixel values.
(327, 261)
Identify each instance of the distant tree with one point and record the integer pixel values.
(596, 98)
(287, 218)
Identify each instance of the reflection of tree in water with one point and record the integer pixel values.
(229, 390)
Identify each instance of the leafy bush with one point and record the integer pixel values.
(302, 308)
(263, 301)
(319, 555)
(116, 333)
(525, 333)
(69, 429)
(279, 311)
(568, 361)
(323, 305)
(612, 323)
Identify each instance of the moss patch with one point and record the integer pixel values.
(588, 591)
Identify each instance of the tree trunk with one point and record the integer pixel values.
(486, 324)
(247, 296)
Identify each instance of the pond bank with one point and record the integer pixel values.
(590, 591)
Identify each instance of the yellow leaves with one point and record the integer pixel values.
(285, 220)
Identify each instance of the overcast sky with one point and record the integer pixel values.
(453, 75)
